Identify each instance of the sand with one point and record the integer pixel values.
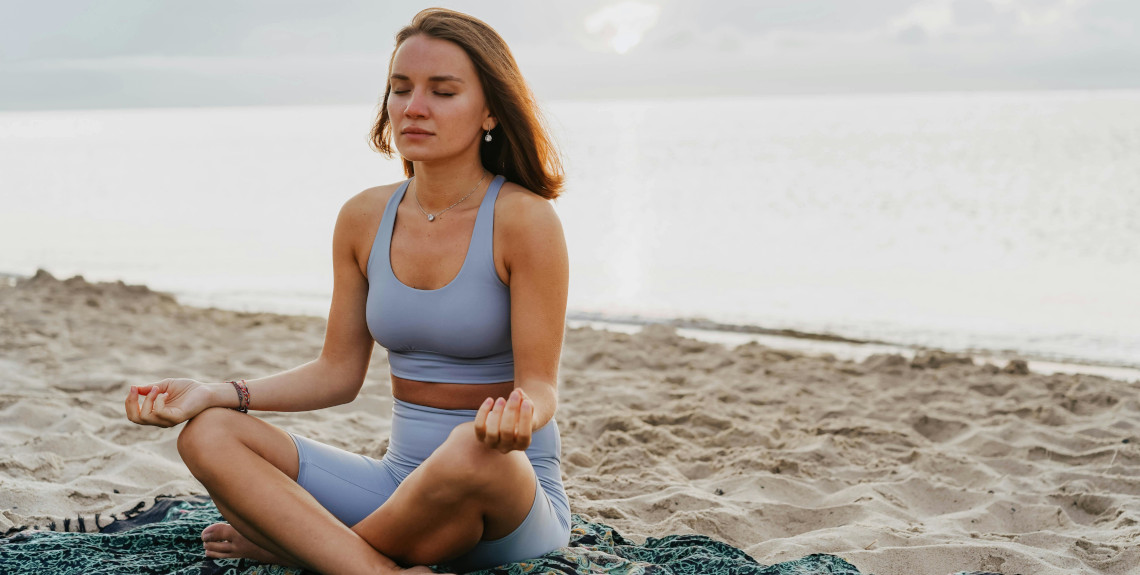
(929, 466)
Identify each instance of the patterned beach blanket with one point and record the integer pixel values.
(165, 539)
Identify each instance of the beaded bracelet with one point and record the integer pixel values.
(243, 395)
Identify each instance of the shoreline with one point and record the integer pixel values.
(849, 349)
(732, 334)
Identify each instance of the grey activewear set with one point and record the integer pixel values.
(459, 333)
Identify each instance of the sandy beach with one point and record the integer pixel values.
(927, 466)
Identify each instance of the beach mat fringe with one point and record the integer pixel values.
(164, 538)
(100, 522)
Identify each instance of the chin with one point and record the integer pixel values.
(419, 154)
(419, 157)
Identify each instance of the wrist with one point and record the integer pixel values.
(223, 395)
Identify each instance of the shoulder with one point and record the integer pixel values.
(525, 215)
(531, 232)
(366, 207)
(358, 219)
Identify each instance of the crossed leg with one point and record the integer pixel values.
(461, 494)
(223, 540)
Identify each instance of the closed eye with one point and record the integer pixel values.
(437, 93)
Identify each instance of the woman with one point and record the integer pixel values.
(463, 277)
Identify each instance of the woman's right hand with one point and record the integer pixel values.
(168, 402)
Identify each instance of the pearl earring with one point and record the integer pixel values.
(487, 136)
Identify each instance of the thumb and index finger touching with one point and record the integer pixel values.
(152, 410)
(505, 422)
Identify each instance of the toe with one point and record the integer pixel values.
(216, 555)
(219, 549)
(216, 532)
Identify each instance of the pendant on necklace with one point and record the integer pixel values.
(431, 217)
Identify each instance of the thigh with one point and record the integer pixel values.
(543, 531)
(462, 494)
(351, 486)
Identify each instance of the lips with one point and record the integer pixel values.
(412, 130)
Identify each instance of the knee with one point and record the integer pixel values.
(203, 432)
(463, 455)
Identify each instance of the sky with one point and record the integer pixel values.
(78, 54)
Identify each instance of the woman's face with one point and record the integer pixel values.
(436, 103)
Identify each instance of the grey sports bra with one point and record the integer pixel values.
(459, 333)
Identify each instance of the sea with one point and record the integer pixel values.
(1004, 223)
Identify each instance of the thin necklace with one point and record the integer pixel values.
(432, 217)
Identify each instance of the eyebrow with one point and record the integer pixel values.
(431, 79)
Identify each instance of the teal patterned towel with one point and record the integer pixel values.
(165, 540)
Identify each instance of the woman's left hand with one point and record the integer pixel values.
(506, 425)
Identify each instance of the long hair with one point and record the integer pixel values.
(521, 149)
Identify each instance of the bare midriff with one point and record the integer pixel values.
(448, 395)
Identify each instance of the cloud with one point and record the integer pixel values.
(1009, 21)
(78, 53)
(972, 12)
(622, 25)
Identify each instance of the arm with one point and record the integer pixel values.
(538, 269)
(335, 377)
(539, 279)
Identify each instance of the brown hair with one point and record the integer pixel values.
(521, 149)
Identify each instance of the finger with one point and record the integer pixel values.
(526, 424)
(493, 420)
(510, 418)
(147, 409)
(145, 389)
(162, 386)
(481, 418)
(132, 405)
(160, 411)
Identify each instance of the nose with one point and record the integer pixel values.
(416, 106)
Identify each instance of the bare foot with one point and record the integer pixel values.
(222, 541)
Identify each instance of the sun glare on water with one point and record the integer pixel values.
(624, 24)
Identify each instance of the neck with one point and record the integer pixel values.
(439, 186)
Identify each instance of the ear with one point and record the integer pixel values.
(489, 123)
